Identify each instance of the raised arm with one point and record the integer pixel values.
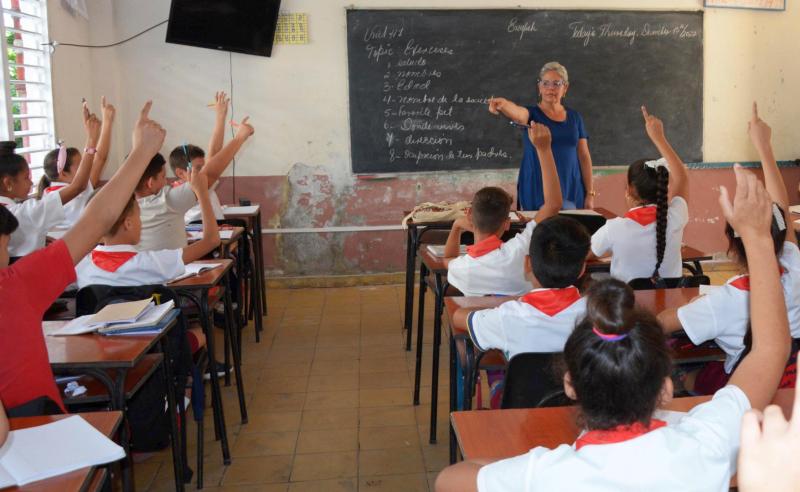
(751, 216)
(210, 239)
(678, 174)
(217, 164)
(452, 247)
(514, 112)
(92, 127)
(104, 209)
(104, 144)
(218, 134)
(540, 138)
(761, 135)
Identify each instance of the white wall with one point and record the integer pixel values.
(298, 99)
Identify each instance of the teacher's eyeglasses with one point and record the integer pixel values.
(555, 84)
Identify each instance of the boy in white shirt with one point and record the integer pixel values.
(491, 266)
(543, 319)
(163, 207)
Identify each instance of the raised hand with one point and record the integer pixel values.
(750, 214)
(221, 101)
(653, 126)
(91, 124)
(760, 133)
(107, 110)
(148, 134)
(244, 129)
(540, 136)
(199, 182)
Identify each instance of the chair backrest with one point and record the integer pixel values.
(531, 381)
(669, 283)
(591, 222)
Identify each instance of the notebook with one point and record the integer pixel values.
(438, 249)
(123, 312)
(149, 318)
(193, 269)
(250, 209)
(54, 449)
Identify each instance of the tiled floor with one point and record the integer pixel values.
(329, 392)
(329, 395)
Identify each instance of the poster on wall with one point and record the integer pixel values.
(748, 4)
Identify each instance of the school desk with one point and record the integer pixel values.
(498, 434)
(415, 231)
(252, 214)
(108, 359)
(196, 289)
(86, 479)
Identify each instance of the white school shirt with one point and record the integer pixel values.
(194, 214)
(123, 265)
(633, 246)
(74, 208)
(500, 271)
(162, 217)
(697, 453)
(723, 314)
(35, 218)
(540, 321)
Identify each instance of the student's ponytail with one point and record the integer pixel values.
(617, 358)
(662, 206)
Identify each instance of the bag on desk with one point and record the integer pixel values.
(437, 212)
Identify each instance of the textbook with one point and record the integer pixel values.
(148, 318)
(122, 312)
(438, 249)
(54, 449)
(193, 269)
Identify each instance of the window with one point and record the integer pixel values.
(28, 98)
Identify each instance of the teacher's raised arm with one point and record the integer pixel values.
(570, 142)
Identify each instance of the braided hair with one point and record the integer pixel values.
(652, 186)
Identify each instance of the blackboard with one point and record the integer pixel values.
(419, 81)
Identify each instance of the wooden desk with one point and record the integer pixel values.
(498, 434)
(78, 480)
(252, 214)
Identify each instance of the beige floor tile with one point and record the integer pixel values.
(335, 485)
(321, 400)
(386, 416)
(394, 483)
(264, 444)
(277, 402)
(436, 456)
(381, 352)
(376, 462)
(283, 384)
(384, 365)
(388, 437)
(382, 380)
(286, 369)
(330, 418)
(336, 353)
(327, 341)
(262, 487)
(330, 367)
(327, 441)
(272, 422)
(262, 469)
(393, 339)
(333, 382)
(146, 473)
(324, 466)
(384, 397)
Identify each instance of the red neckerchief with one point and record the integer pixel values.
(620, 433)
(486, 246)
(110, 261)
(552, 301)
(644, 215)
(51, 189)
(742, 282)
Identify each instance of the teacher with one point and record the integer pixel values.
(570, 143)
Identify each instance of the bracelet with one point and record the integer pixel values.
(90, 150)
(591, 193)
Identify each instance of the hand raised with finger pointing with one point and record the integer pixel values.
(653, 126)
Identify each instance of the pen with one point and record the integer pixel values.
(518, 125)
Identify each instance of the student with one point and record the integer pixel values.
(618, 371)
(29, 286)
(646, 242)
(163, 207)
(60, 167)
(542, 319)
(187, 157)
(491, 266)
(724, 315)
(37, 217)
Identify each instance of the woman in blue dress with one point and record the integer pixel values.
(570, 143)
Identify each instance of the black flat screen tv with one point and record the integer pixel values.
(243, 26)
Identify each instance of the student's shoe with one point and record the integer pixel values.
(220, 368)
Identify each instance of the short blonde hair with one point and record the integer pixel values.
(556, 67)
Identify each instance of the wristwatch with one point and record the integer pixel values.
(90, 150)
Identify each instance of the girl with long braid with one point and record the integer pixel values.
(646, 242)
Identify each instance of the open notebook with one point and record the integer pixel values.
(193, 269)
(149, 318)
(54, 449)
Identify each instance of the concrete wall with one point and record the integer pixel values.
(298, 164)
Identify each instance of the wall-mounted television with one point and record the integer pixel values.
(243, 26)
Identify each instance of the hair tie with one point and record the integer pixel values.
(654, 165)
(609, 337)
(61, 162)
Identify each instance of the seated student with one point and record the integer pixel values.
(724, 315)
(29, 286)
(618, 371)
(60, 168)
(490, 265)
(163, 207)
(542, 319)
(646, 242)
(37, 217)
(184, 158)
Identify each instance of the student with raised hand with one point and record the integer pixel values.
(646, 241)
(62, 165)
(37, 217)
(29, 286)
(723, 315)
(491, 266)
(618, 371)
